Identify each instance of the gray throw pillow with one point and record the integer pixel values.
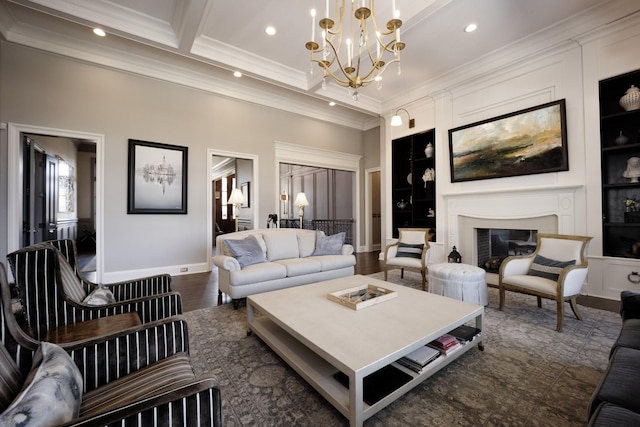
(548, 268)
(247, 251)
(100, 296)
(407, 250)
(52, 393)
(329, 245)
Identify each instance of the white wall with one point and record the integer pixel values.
(569, 70)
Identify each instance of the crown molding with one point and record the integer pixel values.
(179, 72)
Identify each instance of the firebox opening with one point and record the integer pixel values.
(495, 244)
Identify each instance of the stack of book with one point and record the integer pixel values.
(446, 344)
(465, 334)
(419, 358)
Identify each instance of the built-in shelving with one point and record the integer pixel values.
(413, 198)
(621, 229)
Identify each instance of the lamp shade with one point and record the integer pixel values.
(396, 120)
(236, 197)
(301, 200)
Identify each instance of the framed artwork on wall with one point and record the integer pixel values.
(525, 142)
(157, 178)
(245, 187)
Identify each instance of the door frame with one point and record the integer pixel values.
(14, 181)
(368, 208)
(255, 201)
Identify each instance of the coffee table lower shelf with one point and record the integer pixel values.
(320, 374)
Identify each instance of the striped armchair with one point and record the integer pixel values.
(52, 295)
(138, 288)
(137, 377)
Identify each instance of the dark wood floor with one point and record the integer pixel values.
(201, 290)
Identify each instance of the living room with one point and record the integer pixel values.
(108, 93)
(195, 111)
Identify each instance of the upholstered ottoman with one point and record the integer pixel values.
(463, 282)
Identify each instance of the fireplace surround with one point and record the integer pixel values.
(546, 209)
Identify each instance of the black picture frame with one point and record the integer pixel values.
(525, 142)
(157, 178)
(245, 187)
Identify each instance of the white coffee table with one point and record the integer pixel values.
(318, 337)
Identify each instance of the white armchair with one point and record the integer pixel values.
(410, 252)
(556, 270)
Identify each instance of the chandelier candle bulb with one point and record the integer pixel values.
(313, 25)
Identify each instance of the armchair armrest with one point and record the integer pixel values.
(109, 357)
(629, 305)
(149, 309)
(199, 403)
(515, 265)
(572, 278)
(347, 249)
(390, 251)
(137, 288)
(225, 262)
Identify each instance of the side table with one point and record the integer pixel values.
(463, 282)
(92, 328)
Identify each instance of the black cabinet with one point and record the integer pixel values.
(620, 144)
(413, 181)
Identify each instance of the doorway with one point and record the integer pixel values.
(54, 215)
(227, 170)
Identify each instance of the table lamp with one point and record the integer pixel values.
(236, 199)
(301, 201)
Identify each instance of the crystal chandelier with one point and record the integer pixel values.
(355, 52)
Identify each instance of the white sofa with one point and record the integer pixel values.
(290, 258)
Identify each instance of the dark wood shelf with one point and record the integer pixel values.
(408, 158)
(618, 236)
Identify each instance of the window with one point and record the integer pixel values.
(66, 187)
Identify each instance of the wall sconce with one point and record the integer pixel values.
(236, 199)
(396, 120)
(301, 201)
(284, 198)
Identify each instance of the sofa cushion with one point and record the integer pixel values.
(160, 377)
(247, 251)
(258, 273)
(608, 415)
(629, 335)
(334, 262)
(620, 384)
(548, 268)
(281, 244)
(100, 296)
(300, 266)
(306, 242)
(224, 249)
(52, 393)
(329, 245)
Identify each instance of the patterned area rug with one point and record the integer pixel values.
(528, 375)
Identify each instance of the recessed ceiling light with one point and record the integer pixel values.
(99, 32)
(237, 74)
(331, 104)
(270, 30)
(470, 28)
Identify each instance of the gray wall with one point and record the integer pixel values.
(42, 89)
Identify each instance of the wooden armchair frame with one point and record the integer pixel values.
(410, 236)
(514, 272)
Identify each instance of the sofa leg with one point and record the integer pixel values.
(236, 303)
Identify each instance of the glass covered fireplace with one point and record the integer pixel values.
(495, 244)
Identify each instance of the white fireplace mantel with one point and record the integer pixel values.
(550, 209)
